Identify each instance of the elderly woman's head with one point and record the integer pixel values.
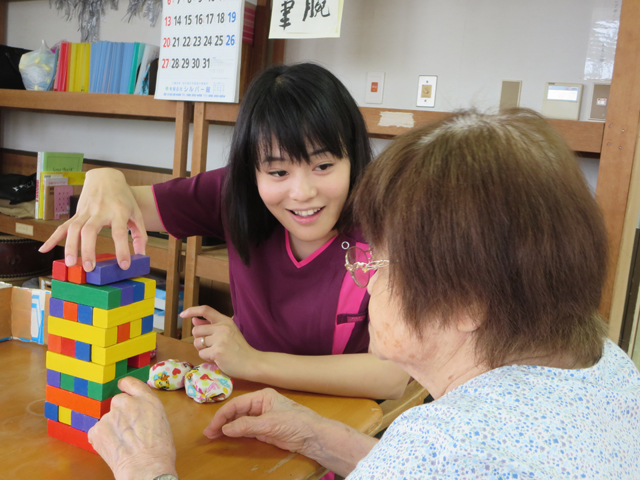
(490, 218)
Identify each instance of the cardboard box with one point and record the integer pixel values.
(23, 314)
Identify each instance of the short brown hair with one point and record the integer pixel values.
(491, 215)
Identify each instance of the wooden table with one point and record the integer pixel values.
(26, 451)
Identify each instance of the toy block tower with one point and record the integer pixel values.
(100, 330)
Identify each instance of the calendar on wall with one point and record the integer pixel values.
(200, 50)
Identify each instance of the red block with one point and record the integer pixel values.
(59, 270)
(70, 311)
(140, 361)
(55, 343)
(69, 434)
(124, 332)
(68, 347)
(76, 274)
(104, 256)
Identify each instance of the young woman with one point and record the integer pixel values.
(282, 204)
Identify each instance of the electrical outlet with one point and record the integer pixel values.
(427, 91)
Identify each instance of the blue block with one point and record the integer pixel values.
(53, 378)
(81, 386)
(108, 271)
(138, 289)
(126, 292)
(83, 351)
(85, 314)
(147, 324)
(51, 411)
(56, 307)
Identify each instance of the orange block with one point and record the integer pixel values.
(70, 311)
(78, 403)
(76, 274)
(55, 343)
(68, 347)
(124, 332)
(69, 434)
(104, 256)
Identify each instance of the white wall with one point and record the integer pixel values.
(470, 45)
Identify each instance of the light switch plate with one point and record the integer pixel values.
(562, 100)
(427, 91)
(375, 87)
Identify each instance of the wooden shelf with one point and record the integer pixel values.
(213, 264)
(43, 229)
(89, 104)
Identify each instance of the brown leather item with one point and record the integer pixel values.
(19, 257)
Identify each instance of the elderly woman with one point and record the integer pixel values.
(489, 261)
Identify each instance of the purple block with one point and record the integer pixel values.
(77, 421)
(126, 292)
(89, 422)
(56, 307)
(108, 271)
(138, 289)
(53, 378)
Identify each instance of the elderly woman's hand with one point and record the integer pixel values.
(269, 417)
(134, 438)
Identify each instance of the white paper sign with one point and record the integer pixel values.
(305, 18)
(200, 49)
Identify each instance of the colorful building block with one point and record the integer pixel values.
(83, 422)
(53, 378)
(85, 314)
(67, 382)
(108, 271)
(55, 343)
(83, 351)
(149, 286)
(56, 307)
(69, 434)
(140, 361)
(51, 411)
(77, 403)
(100, 391)
(138, 289)
(68, 346)
(76, 274)
(104, 297)
(69, 311)
(126, 292)
(78, 368)
(112, 318)
(64, 414)
(147, 324)
(59, 270)
(121, 351)
(103, 337)
(135, 328)
(123, 332)
(81, 386)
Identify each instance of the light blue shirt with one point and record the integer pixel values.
(521, 422)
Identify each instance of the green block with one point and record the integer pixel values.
(121, 368)
(66, 382)
(102, 391)
(98, 296)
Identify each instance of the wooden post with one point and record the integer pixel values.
(180, 149)
(194, 244)
(617, 160)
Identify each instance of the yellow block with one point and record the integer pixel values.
(79, 368)
(118, 316)
(103, 337)
(149, 287)
(135, 329)
(121, 351)
(64, 415)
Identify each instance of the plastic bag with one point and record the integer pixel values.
(37, 68)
